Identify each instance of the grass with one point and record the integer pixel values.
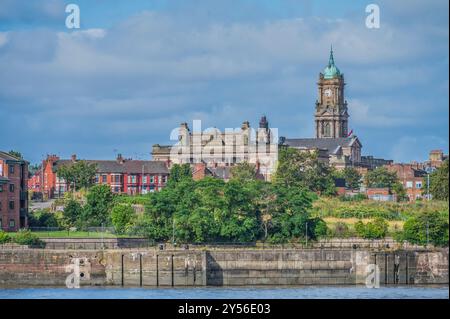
(74, 234)
(394, 225)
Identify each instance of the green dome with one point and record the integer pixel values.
(331, 71)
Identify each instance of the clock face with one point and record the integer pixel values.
(328, 92)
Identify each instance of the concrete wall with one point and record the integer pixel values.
(151, 267)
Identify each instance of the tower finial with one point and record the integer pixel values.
(331, 60)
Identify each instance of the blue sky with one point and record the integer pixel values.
(136, 69)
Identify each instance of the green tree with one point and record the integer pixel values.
(431, 226)
(122, 216)
(243, 172)
(380, 177)
(96, 212)
(78, 175)
(42, 218)
(439, 182)
(178, 172)
(72, 213)
(352, 177)
(303, 169)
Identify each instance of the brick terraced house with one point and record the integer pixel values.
(13, 192)
(124, 176)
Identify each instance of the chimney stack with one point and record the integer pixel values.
(120, 158)
(74, 157)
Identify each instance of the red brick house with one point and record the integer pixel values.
(124, 176)
(413, 178)
(13, 192)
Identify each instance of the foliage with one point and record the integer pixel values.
(78, 175)
(340, 230)
(335, 207)
(439, 182)
(303, 169)
(380, 177)
(99, 201)
(243, 172)
(352, 177)
(26, 237)
(355, 198)
(429, 225)
(72, 214)
(122, 217)
(320, 228)
(376, 229)
(4, 237)
(179, 172)
(16, 154)
(42, 218)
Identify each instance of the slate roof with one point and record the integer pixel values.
(127, 166)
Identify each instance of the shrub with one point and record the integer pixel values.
(376, 229)
(42, 218)
(320, 228)
(122, 217)
(4, 237)
(435, 224)
(26, 237)
(72, 213)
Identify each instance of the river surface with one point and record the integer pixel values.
(310, 292)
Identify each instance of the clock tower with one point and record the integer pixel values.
(331, 115)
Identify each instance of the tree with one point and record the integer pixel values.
(303, 169)
(16, 154)
(78, 175)
(179, 172)
(243, 172)
(380, 177)
(98, 206)
(122, 217)
(426, 227)
(439, 182)
(72, 213)
(352, 177)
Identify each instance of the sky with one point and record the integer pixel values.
(136, 69)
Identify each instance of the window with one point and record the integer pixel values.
(1, 224)
(152, 179)
(409, 184)
(1, 188)
(419, 184)
(11, 188)
(132, 179)
(327, 129)
(96, 179)
(144, 180)
(104, 178)
(11, 204)
(12, 223)
(11, 169)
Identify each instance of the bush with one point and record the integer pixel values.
(376, 229)
(42, 218)
(122, 217)
(26, 237)
(320, 228)
(4, 237)
(415, 229)
(72, 213)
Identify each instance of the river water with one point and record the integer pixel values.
(308, 292)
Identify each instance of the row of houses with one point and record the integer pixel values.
(124, 176)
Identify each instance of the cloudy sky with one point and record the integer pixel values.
(136, 69)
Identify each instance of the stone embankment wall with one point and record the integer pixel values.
(152, 267)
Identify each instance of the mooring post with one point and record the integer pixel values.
(172, 271)
(140, 270)
(122, 281)
(157, 270)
